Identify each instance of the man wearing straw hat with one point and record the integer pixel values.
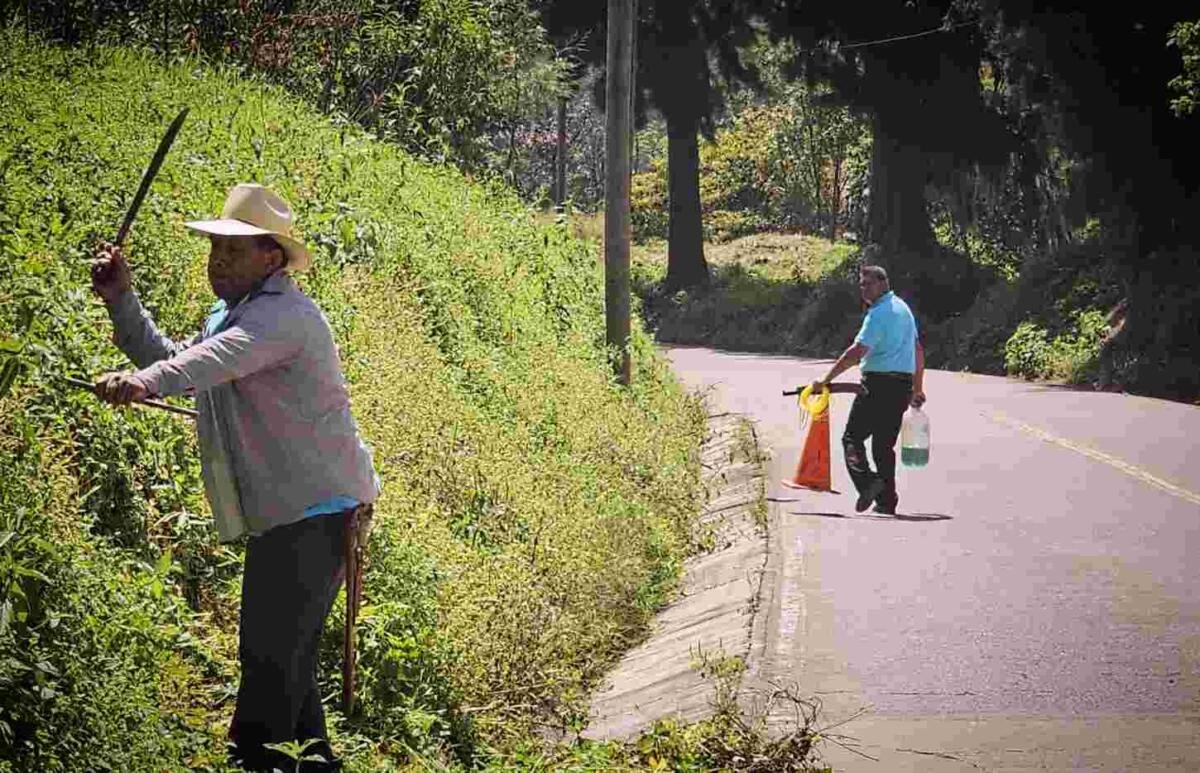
(281, 457)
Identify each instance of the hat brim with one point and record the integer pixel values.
(296, 253)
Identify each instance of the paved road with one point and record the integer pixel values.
(1036, 606)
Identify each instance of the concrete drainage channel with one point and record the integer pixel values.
(719, 593)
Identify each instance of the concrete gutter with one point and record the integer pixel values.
(718, 597)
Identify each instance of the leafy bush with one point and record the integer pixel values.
(1071, 356)
(1185, 36)
(648, 203)
(1026, 352)
(101, 662)
(534, 513)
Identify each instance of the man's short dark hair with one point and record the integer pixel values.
(875, 272)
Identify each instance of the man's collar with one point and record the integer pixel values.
(880, 299)
(275, 284)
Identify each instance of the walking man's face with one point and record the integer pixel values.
(871, 288)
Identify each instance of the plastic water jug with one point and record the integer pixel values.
(914, 439)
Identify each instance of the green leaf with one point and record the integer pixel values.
(25, 571)
(8, 374)
(163, 567)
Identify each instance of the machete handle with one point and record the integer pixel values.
(87, 385)
(837, 388)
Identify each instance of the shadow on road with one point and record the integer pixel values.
(875, 517)
(1043, 386)
(798, 497)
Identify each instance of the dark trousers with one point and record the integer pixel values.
(291, 578)
(877, 415)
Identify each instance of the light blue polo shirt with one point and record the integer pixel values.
(890, 332)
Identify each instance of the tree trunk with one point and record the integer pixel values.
(686, 266)
(512, 154)
(815, 157)
(936, 282)
(835, 204)
(897, 220)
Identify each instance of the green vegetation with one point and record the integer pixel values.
(534, 514)
(1000, 213)
(784, 165)
(1071, 356)
(735, 737)
(448, 80)
(797, 294)
(1185, 36)
(770, 293)
(1056, 313)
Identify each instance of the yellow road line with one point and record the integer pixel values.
(1100, 456)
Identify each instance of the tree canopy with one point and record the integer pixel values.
(1072, 101)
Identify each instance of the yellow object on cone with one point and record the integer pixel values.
(812, 472)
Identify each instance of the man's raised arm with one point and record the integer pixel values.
(134, 332)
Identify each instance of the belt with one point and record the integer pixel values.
(888, 374)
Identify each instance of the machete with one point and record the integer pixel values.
(163, 146)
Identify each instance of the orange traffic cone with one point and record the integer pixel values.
(812, 472)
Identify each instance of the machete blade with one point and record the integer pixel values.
(163, 146)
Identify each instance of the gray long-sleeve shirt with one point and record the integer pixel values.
(275, 430)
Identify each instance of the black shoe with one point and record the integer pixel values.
(867, 496)
(886, 506)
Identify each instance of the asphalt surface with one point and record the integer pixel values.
(1035, 604)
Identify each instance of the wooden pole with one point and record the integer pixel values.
(619, 121)
(560, 157)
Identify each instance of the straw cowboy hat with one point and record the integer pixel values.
(252, 210)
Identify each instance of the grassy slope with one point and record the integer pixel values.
(771, 293)
(533, 516)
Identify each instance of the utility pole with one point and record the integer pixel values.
(619, 120)
(560, 157)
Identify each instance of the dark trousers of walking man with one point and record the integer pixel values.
(877, 415)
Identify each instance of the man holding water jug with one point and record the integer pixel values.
(893, 374)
